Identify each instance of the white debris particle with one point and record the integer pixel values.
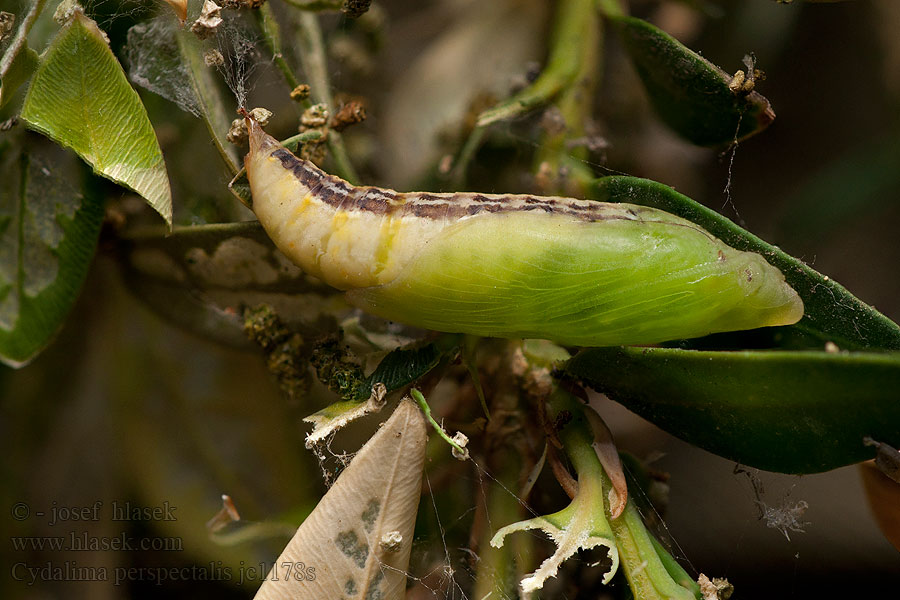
(391, 541)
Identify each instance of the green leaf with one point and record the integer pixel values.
(405, 365)
(81, 99)
(792, 412)
(398, 369)
(48, 232)
(831, 312)
(20, 70)
(689, 93)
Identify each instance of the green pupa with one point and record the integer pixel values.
(576, 272)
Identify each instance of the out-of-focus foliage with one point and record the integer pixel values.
(176, 405)
(49, 220)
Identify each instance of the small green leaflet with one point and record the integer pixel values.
(80, 98)
(48, 232)
(405, 365)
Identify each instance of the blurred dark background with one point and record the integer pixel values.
(124, 407)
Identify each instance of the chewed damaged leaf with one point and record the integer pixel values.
(359, 537)
(573, 271)
(49, 224)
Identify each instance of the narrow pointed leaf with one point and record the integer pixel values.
(831, 312)
(792, 412)
(691, 94)
(48, 232)
(80, 98)
(357, 541)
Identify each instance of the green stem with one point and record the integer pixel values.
(212, 108)
(575, 104)
(563, 64)
(648, 574)
(423, 404)
(271, 32)
(293, 142)
(572, 60)
(611, 8)
(499, 569)
(466, 154)
(311, 50)
(577, 440)
(470, 361)
(675, 570)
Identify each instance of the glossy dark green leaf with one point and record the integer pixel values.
(80, 98)
(831, 312)
(398, 369)
(49, 223)
(792, 412)
(405, 365)
(689, 93)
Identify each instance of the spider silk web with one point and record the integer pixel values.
(154, 58)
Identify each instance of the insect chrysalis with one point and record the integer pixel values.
(573, 271)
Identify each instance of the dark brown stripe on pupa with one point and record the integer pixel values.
(336, 192)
